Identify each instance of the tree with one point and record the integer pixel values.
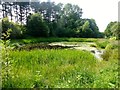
(51, 13)
(73, 11)
(50, 19)
(36, 26)
(107, 31)
(15, 9)
(86, 30)
(94, 28)
(112, 30)
(35, 6)
(22, 9)
(68, 16)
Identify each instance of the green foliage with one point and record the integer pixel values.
(5, 25)
(50, 19)
(36, 68)
(112, 30)
(107, 75)
(102, 44)
(61, 69)
(36, 26)
(5, 57)
(94, 29)
(101, 35)
(52, 39)
(86, 29)
(17, 30)
(111, 51)
(66, 26)
(107, 53)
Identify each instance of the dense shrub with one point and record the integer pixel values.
(5, 25)
(102, 44)
(108, 52)
(17, 30)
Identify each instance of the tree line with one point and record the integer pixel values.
(47, 19)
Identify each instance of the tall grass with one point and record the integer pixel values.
(60, 69)
(102, 44)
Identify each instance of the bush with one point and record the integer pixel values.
(17, 30)
(102, 44)
(108, 52)
(5, 25)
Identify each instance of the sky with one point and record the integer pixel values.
(103, 11)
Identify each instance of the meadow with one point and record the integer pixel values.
(60, 68)
(46, 44)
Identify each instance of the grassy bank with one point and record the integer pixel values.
(60, 69)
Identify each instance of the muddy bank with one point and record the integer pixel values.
(39, 46)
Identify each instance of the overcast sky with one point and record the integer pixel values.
(103, 11)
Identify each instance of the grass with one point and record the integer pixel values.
(58, 68)
(52, 39)
(61, 68)
(36, 42)
(102, 44)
